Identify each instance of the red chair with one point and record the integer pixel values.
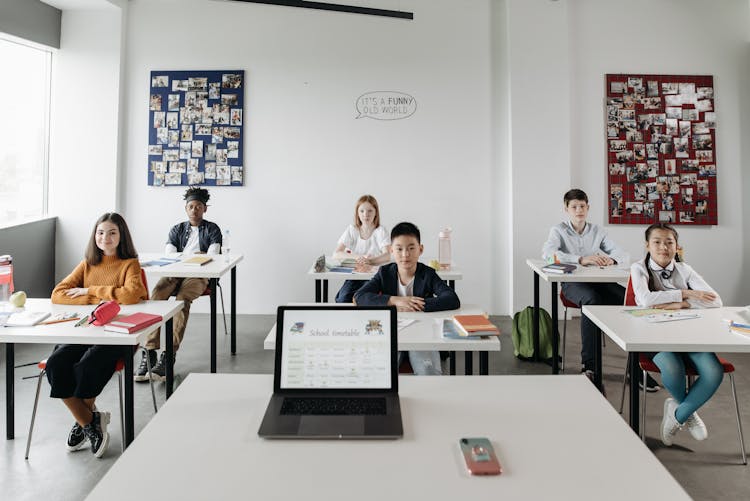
(647, 365)
(119, 367)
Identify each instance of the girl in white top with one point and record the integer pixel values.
(366, 241)
(662, 281)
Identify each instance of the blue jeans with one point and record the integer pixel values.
(591, 293)
(672, 367)
(346, 293)
(424, 363)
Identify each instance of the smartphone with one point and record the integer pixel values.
(480, 456)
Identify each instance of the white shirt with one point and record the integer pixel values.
(406, 290)
(569, 245)
(681, 276)
(376, 245)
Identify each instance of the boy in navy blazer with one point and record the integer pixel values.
(409, 285)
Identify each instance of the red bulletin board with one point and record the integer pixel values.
(661, 149)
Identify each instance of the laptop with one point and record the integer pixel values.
(335, 374)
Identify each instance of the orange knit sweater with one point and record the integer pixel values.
(113, 278)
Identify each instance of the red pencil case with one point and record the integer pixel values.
(105, 312)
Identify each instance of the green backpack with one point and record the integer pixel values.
(523, 336)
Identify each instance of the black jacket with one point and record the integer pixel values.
(208, 233)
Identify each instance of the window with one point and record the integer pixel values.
(24, 131)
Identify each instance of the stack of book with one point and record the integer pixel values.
(463, 326)
(740, 328)
(559, 268)
(197, 260)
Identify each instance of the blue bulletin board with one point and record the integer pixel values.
(195, 133)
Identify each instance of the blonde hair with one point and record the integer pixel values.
(371, 200)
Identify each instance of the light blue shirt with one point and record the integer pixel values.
(569, 245)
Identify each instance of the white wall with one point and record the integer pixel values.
(560, 52)
(307, 158)
(84, 129)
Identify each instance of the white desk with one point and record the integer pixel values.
(597, 457)
(67, 333)
(590, 274)
(636, 335)
(426, 335)
(213, 270)
(321, 279)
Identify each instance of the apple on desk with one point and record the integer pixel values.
(18, 299)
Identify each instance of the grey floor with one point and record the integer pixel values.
(707, 470)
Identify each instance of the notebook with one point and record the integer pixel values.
(132, 323)
(26, 318)
(335, 374)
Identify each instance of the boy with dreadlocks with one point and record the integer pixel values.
(194, 236)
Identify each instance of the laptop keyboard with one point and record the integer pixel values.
(326, 406)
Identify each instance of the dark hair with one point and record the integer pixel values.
(370, 200)
(575, 194)
(649, 230)
(406, 229)
(125, 249)
(196, 193)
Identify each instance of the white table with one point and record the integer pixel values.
(590, 274)
(67, 333)
(635, 335)
(425, 334)
(321, 279)
(215, 269)
(595, 458)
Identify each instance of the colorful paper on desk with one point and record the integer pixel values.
(162, 261)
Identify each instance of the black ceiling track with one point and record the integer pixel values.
(352, 9)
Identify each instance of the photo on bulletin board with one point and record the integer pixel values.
(661, 149)
(196, 128)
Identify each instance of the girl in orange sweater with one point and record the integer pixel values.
(78, 373)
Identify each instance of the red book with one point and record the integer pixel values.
(132, 323)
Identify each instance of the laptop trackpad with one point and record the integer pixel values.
(332, 425)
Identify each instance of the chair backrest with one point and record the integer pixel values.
(145, 283)
(630, 293)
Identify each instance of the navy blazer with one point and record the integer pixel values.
(427, 284)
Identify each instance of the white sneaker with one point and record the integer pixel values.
(696, 427)
(669, 424)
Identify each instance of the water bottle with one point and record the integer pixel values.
(444, 249)
(6, 278)
(225, 246)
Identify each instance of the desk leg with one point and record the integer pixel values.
(484, 363)
(469, 363)
(535, 323)
(325, 290)
(452, 362)
(233, 315)
(169, 348)
(128, 395)
(635, 371)
(598, 359)
(212, 284)
(555, 331)
(318, 289)
(9, 392)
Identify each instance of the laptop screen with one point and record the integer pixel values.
(335, 348)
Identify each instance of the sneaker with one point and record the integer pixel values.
(696, 427)
(669, 424)
(159, 371)
(76, 438)
(141, 375)
(97, 433)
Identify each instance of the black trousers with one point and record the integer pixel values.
(79, 370)
(591, 293)
(346, 293)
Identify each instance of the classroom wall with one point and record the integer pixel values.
(560, 52)
(84, 127)
(307, 157)
(32, 246)
(31, 20)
